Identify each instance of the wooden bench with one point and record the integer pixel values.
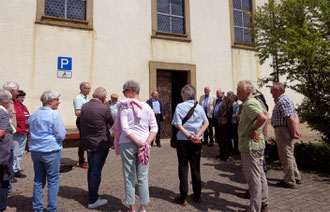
(71, 140)
(72, 136)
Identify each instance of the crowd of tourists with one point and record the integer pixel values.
(131, 125)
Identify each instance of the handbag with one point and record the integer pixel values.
(174, 140)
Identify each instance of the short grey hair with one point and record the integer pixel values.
(279, 86)
(48, 96)
(246, 85)
(10, 86)
(100, 93)
(188, 91)
(83, 84)
(5, 96)
(133, 85)
(230, 93)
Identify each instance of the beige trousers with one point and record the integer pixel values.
(256, 179)
(285, 148)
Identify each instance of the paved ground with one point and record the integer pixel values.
(222, 181)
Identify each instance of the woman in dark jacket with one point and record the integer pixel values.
(6, 130)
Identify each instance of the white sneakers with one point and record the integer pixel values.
(98, 203)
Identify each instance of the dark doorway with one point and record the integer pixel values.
(169, 85)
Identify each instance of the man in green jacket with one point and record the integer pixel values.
(251, 145)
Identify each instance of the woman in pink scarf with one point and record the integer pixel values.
(135, 128)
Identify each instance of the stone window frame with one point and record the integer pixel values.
(154, 66)
(65, 22)
(235, 44)
(167, 35)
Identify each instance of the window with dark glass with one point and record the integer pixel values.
(170, 16)
(71, 9)
(241, 20)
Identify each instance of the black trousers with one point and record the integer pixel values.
(189, 152)
(222, 134)
(81, 145)
(233, 136)
(158, 119)
(208, 133)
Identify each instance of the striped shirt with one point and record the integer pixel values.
(284, 107)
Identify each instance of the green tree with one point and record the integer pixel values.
(295, 34)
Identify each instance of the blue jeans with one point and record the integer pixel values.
(19, 141)
(4, 194)
(96, 161)
(130, 161)
(46, 165)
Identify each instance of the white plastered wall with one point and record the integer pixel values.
(118, 48)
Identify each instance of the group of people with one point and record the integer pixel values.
(222, 113)
(131, 125)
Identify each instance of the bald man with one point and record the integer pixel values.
(96, 138)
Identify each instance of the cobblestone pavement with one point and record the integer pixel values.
(222, 183)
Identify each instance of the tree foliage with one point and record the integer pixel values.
(295, 34)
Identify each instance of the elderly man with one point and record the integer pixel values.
(207, 101)
(223, 112)
(251, 146)
(13, 88)
(113, 105)
(157, 107)
(94, 118)
(78, 102)
(286, 129)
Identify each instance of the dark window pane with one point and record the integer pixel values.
(247, 5)
(163, 23)
(177, 25)
(163, 6)
(238, 18)
(246, 20)
(177, 7)
(247, 36)
(237, 4)
(54, 8)
(76, 9)
(238, 34)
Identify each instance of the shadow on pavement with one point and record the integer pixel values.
(81, 196)
(162, 193)
(20, 202)
(211, 200)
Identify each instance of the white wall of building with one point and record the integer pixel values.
(118, 48)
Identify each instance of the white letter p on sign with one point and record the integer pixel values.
(64, 62)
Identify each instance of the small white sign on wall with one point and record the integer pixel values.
(64, 67)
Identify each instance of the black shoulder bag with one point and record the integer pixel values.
(174, 140)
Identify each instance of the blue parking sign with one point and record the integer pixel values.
(64, 63)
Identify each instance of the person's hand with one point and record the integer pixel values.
(140, 144)
(164, 117)
(254, 135)
(195, 139)
(296, 134)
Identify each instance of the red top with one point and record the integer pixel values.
(22, 116)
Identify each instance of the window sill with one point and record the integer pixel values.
(243, 46)
(64, 22)
(171, 36)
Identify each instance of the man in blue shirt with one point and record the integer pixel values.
(78, 102)
(189, 143)
(157, 107)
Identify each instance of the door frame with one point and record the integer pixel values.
(154, 66)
